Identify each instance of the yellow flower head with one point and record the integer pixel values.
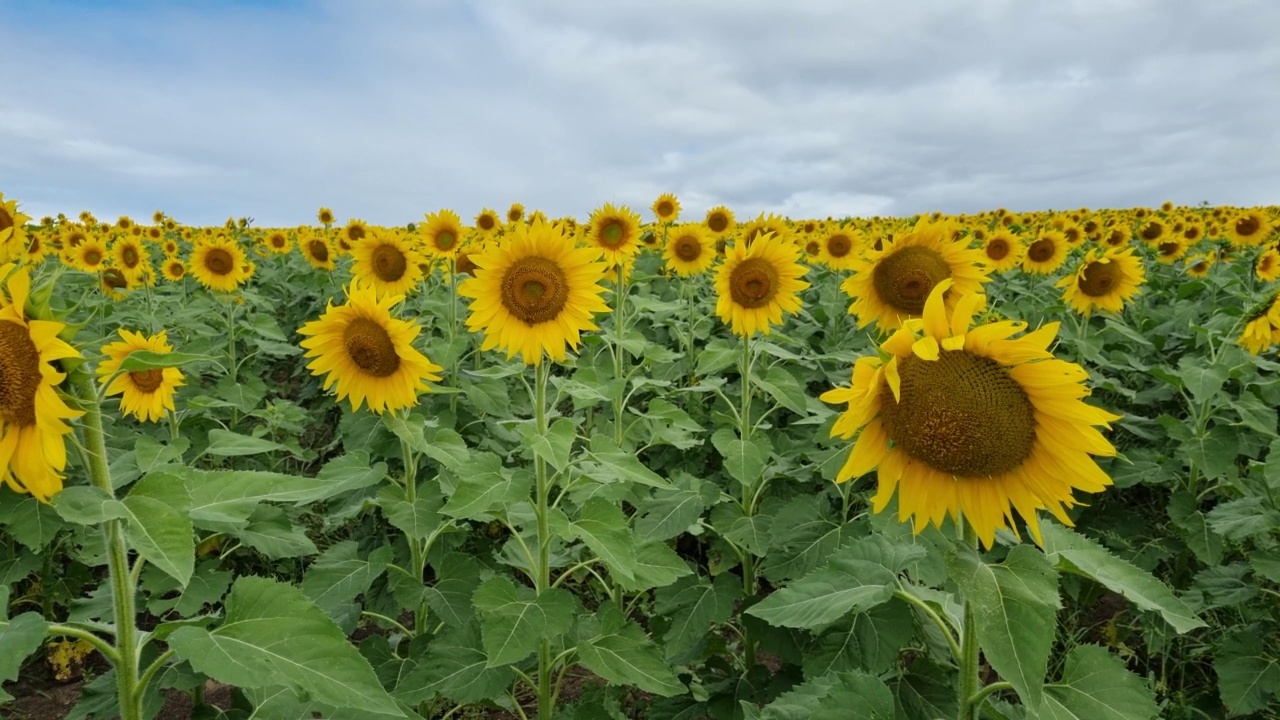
(442, 234)
(385, 262)
(146, 394)
(972, 423)
(615, 231)
(220, 264)
(1105, 281)
(755, 285)
(666, 208)
(689, 250)
(720, 221)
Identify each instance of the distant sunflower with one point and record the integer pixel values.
(755, 285)
(515, 213)
(277, 241)
(145, 394)
(317, 250)
(170, 247)
(615, 231)
(1267, 266)
(114, 283)
(838, 247)
(1262, 330)
(173, 269)
(1104, 281)
(72, 236)
(1152, 231)
(720, 221)
(971, 423)
(220, 264)
(1046, 253)
(1170, 250)
(130, 258)
(1192, 232)
(1199, 265)
(1115, 237)
(325, 216)
(1002, 250)
(761, 225)
(1073, 234)
(892, 284)
(13, 229)
(1250, 227)
(666, 208)
(487, 222)
(689, 250)
(33, 452)
(386, 263)
(535, 293)
(442, 234)
(367, 353)
(355, 231)
(90, 255)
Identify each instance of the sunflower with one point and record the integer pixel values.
(761, 225)
(33, 452)
(1115, 237)
(220, 264)
(90, 255)
(13, 229)
(37, 246)
(689, 250)
(515, 213)
(1250, 227)
(1267, 267)
(325, 216)
(1046, 254)
(277, 241)
(351, 235)
(1199, 265)
(386, 263)
(1105, 280)
(837, 248)
(146, 394)
(170, 247)
(1002, 250)
(971, 423)
(755, 285)
(173, 269)
(130, 258)
(891, 285)
(1152, 231)
(487, 222)
(114, 283)
(535, 293)
(720, 221)
(1192, 232)
(317, 250)
(615, 231)
(1262, 331)
(1170, 250)
(442, 234)
(368, 353)
(666, 208)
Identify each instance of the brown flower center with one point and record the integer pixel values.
(812, 248)
(687, 248)
(961, 414)
(92, 257)
(445, 240)
(612, 233)
(1099, 279)
(839, 245)
(355, 233)
(147, 381)
(19, 375)
(1042, 250)
(753, 283)
(535, 290)
(129, 256)
(718, 222)
(1247, 225)
(485, 222)
(370, 347)
(389, 264)
(219, 262)
(904, 277)
(6, 220)
(113, 279)
(514, 215)
(666, 209)
(1152, 231)
(1169, 249)
(997, 249)
(319, 250)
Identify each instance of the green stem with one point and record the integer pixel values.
(543, 570)
(453, 332)
(619, 354)
(417, 561)
(748, 498)
(128, 686)
(937, 620)
(102, 646)
(968, 685)
(981, 696)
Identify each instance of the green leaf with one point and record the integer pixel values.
(869, 641)
(225, 443)
(87, 505)
(230, 496)
(159, 527)
(668, 513)
(845, 584)
(1096, 685)
(656, 566)
(1202, 381)
(19, 638)
(455, 666)
(695, 607)
(485, 487)
(614, 464)
(29, 521)
(419, 519)
(336, 577)
(148, 360)
(716, 356)
(450, 600)
(274, 635)
(555, 446)
(516, 619)
(851, 695)
(1247, 673)
(783, 387)
(1076, 553)
(272, 533)
(1015, 607)
(926, 692)
(447, 448)
(151, 454)
(1243, 518)
(623, 655)
(602, 526)
(743, 460)
(1256, 414)
(1204, 542)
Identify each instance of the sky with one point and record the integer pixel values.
(389, 109)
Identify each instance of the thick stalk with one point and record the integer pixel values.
(968, 686)
(691, 295)
(619, 354)
(417, 561)
(453, 332)
(748, 498)
(128, 687)
(543, 571)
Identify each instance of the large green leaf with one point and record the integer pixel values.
(230, 496)
(486, 486)
(1096, 685)
(555, 446)
(622, 654)
(1081, 555)
(743, 460)
(419, 519)
(515, 619)
(29, 521)
(695, 606)
(87, 505)
(853, 695)
(1014, 605)
(612, 464)
(455, 665)
(272, 533)
(668, 513)
(158, 526)
(274, 635)
(1248, 672)
(847, 583)
(783, 387)
(225, 443)
(656, 566)
(602, 526)
(19, 637)
(339, 575)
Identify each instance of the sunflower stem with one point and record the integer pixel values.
(619, 353)
(967, 689)
(453, 332)
(543, 571)
(123, 589)
(748, 498)
(417, 562)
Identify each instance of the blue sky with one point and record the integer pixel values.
(387, 110)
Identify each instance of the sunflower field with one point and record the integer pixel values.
(1005, 465)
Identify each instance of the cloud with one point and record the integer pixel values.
(815, 107)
